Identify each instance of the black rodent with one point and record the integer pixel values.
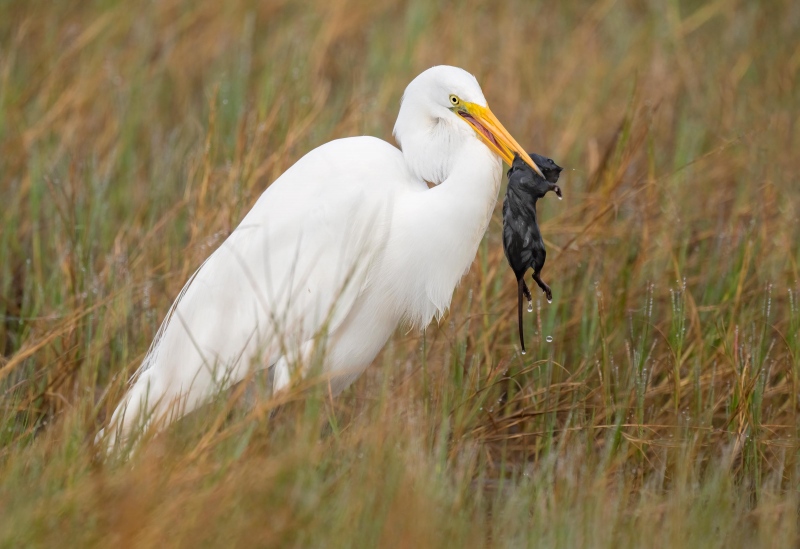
(522, 241)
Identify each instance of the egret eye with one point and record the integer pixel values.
(454, 100)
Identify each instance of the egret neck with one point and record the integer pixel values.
(448, 222)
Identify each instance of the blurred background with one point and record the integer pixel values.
(658, 402)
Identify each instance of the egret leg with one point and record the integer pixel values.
(284, 369)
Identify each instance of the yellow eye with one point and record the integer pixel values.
(454, 100)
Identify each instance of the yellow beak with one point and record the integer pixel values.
(493, 134)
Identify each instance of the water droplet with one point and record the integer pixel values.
(549, 339)
(549, 299)
(560, 197)
(523, 351)
(530, 306)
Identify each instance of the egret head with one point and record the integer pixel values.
(441, 109)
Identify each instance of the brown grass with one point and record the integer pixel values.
(135, 135)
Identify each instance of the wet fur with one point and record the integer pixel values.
(522, 240)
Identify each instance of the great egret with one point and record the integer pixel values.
(344, 245)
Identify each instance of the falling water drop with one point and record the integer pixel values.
(530, 306)
(549, 299)
(523, 351)
(549, 339)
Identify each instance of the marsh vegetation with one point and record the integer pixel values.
(658, 402)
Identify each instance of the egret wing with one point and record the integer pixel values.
(289, 272)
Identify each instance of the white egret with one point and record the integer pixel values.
(343, 246)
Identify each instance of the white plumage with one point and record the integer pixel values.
(343, 246)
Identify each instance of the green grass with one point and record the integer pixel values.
(664, 413)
